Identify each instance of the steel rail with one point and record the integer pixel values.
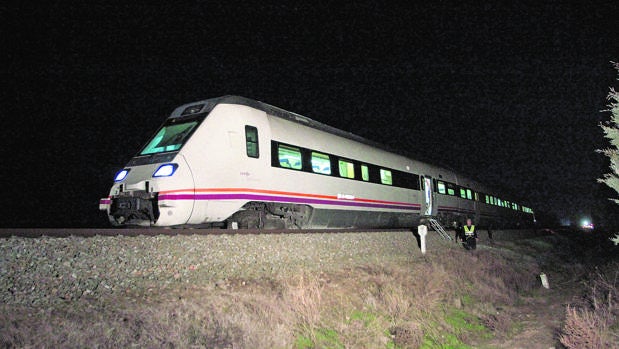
(91, 232)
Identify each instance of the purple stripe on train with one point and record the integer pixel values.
(304, 200)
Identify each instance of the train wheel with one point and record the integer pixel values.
(248, 219)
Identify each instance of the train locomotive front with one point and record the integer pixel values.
(141, 190)
(202, 168)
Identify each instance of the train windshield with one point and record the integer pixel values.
(170, 138)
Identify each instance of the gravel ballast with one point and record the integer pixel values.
(40, 271)
(51, 270)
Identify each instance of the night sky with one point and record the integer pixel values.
(507, 94)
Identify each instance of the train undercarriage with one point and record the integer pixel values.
(270, 215)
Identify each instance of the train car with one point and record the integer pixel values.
(239, 163)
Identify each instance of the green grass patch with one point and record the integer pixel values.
(303, 342)
(327, 338)
(447, 341)
(363, 316)
(465, 323)
(324, 338)
(466, 300)
(461, 325)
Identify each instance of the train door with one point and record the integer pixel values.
(428, 204)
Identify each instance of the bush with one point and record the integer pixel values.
(611, 132)
(593, 325)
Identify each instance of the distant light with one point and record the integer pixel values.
(165, 170)
(586, 224)
(121, 175)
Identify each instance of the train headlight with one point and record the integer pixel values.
(121, 175)
(165, 170)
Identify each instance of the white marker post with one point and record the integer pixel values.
(422, 230)
(544, 279)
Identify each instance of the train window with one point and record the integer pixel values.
(405, 180)
(365, 173)
(469, 194)
(321, 163)
(441, 187)
(487, 199)
(463, 193)
(347, 169)
(251, 141)
(385, 177)
(169, 138)
(289, 157)
(451, 189)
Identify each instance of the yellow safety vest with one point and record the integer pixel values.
(469, 231)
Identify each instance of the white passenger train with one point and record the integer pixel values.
(236, 162)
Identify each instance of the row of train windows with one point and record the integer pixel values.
(447, 188)
(302, 159)
(289, 156)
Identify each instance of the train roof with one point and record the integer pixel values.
(281, 113)
(208, 104)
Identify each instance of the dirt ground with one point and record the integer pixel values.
(568, 265)
(540, 317)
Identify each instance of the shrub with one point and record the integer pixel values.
(592, 325)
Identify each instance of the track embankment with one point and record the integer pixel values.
(68, 265)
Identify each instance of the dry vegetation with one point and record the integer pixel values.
(449, 298)
(593, 321)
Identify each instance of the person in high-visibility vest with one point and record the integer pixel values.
(470, 235)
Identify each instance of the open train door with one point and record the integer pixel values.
(428, 204)
(477, 204)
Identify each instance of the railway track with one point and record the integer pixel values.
(90, 232)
